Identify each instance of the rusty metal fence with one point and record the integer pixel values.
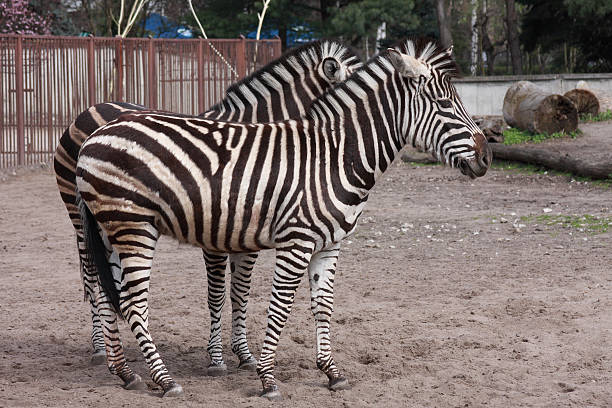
(45, 82)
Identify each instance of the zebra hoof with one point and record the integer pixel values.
(98, 357)
(250, 364)
(135, 383)
(216, 370)
(172, 390)
(338, 383)
(271, 393)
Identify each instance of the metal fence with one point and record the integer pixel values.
(45, 82)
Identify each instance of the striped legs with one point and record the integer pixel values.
(215, 270)
(136, 256)
(115, 358)
(241, 267)
(291, 264)
(321, 272)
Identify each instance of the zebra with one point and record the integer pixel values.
(298, 186)
(281, 90)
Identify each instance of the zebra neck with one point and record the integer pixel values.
(364, 117)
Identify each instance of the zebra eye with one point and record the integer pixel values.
(445, 103)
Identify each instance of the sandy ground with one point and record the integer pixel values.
(440, 302)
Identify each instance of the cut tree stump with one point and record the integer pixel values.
(586, 101)
(530, 108)
(604, 98)
(553, 160)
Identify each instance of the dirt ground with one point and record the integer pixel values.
(446, 296)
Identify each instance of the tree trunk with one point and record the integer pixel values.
(513, 38)
(474, 42)
(586, 102)
(553, 160)
(530, 108)
(443, 14)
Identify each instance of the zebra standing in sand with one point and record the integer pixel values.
(298, 186)
(281, 90)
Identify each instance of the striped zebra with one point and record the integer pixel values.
(281, 90)
(298, 186)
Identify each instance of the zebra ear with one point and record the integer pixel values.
(331, 70)
(407, 65)
(449, 50)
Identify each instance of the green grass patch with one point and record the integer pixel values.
(514, 136)
(600, 117)
(524, 168)
(584, 223)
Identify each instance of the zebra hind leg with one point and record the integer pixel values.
(115, 357)
(321, 272)
(241, 266)
(215, 273)
(136, 262)
(291, 263)
(90, 285)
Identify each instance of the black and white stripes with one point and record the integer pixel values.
(281, 90)
(298, 185)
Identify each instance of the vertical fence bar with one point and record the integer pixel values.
(91, 74)
(241, 58)
(201, 101)
(19, 100)
(151, 72)
(119, 68)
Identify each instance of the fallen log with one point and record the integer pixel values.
(492, 127)
(553, 160)
(412, 156)
(530, 108)
(586, 101)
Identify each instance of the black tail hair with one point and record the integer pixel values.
(96, 253)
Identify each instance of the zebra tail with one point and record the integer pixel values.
(96, 252)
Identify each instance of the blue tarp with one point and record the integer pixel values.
(296, 35)
(159, 26)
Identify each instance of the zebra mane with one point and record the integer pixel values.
(308, 54)
(429, 51)
(423, 48)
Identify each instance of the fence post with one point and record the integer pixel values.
(119, 67)
(91, 73)
(19, 97)
(241, 58)
(201, 101)
(278, 47)
(152, 82)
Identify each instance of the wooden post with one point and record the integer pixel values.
(152, 77)
(91, 71)
(119, 67)
(241, 58)
(19, 99)
(201, 101)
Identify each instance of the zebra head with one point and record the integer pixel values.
(437, 120)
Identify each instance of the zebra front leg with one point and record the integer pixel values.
(291, 263)
(321, 272)
(215, 273)
(115, 357)
(241, 266)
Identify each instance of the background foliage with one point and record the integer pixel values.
(554, 35)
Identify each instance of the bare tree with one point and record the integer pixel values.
(443, 10)
(513, 38)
